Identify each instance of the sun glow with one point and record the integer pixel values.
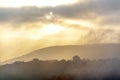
(46, 30)
(51, 29)
(81, 23)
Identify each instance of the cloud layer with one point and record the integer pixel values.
(105, 11)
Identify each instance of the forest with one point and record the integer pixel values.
(74, 69)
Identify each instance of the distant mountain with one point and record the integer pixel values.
(95, 51)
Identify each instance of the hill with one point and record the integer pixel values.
(95, 51)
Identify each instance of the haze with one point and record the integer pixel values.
(27, 25)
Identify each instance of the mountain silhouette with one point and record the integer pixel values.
(95, 51)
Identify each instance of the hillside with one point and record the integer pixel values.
(96, 51)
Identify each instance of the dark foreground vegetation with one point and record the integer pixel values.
(75, 69)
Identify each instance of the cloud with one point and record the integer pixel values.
(19, 14)
(92, 10)
(102, 36)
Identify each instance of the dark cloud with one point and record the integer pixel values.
(91, 9)
(108, 6)
(111, 20)
(20, 14)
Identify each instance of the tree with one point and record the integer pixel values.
(76, 58)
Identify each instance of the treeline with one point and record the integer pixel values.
(75, 69)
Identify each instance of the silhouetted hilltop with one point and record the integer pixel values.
(93, 51)
(75, 69)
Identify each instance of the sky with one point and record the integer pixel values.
(27, 25)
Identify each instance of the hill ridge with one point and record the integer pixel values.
(64, 51)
